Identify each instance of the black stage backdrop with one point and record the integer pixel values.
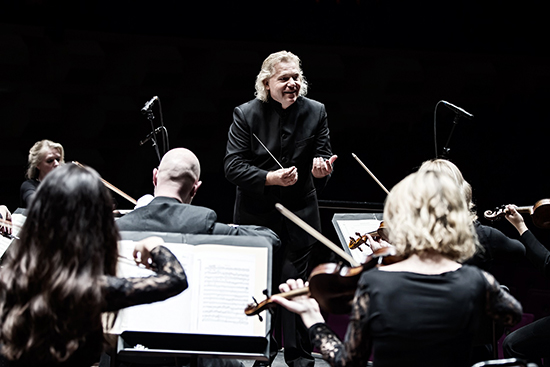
(79, 72)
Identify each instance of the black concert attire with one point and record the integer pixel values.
(295, 136)
(27, 190)
(164, 214)
(410, 319)
(169, 281)
(532, 342)
(497, 247)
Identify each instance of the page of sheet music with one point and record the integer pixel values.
(171, 315)
(349, 229)
(222, 280)
(226, 279)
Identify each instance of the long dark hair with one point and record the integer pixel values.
(50, 292)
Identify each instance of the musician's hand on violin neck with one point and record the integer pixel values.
(322, 167)
(282, 177)
(378, 243)
(305, 306)
(514, 217)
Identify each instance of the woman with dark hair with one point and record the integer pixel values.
(60, 276)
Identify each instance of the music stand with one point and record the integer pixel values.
(346, 226)
(175, 348)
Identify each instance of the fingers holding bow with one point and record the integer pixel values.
(5, 215)
(143, 248)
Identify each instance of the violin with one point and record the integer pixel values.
(540, 213)
(381, 232)
(332, 285)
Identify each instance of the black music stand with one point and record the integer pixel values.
(177, 349)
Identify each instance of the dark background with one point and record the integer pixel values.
(79, 72)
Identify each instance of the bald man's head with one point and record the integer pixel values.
(178, 175)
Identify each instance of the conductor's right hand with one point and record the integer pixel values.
(282, 177)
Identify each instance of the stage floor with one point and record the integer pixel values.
(279, 361)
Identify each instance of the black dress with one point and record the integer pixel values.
(496, 247)
(169, 281)
(411, 319)
(26, 192)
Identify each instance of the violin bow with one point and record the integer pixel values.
(112, 187)
(370, 173)
(8, 223)
(312, 231)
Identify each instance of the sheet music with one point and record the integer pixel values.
(222, 280)
(149, 317)
(226, 287)
(350, 227)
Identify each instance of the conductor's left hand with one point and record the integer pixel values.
(322, 167)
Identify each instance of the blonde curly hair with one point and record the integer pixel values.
(426, 212)
(268, 70)
(448, 167)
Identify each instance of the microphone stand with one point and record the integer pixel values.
(153, 134)
(446, 149)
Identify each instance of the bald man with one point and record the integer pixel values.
(176, 183)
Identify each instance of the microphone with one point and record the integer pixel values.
(455, 109)
(149, 105)
(151, 135)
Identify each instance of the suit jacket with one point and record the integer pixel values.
(164, 214)
(294, 136)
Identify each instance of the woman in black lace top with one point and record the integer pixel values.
(60, 276)
(424, 310)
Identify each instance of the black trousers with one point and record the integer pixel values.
(287, 326)
(530, 342)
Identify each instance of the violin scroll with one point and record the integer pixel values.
(355, 243)
(381, 232)
(495, 214)
(540, 213)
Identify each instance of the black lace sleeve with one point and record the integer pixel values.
(169, 281)
(355, 351)
(500, 304)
